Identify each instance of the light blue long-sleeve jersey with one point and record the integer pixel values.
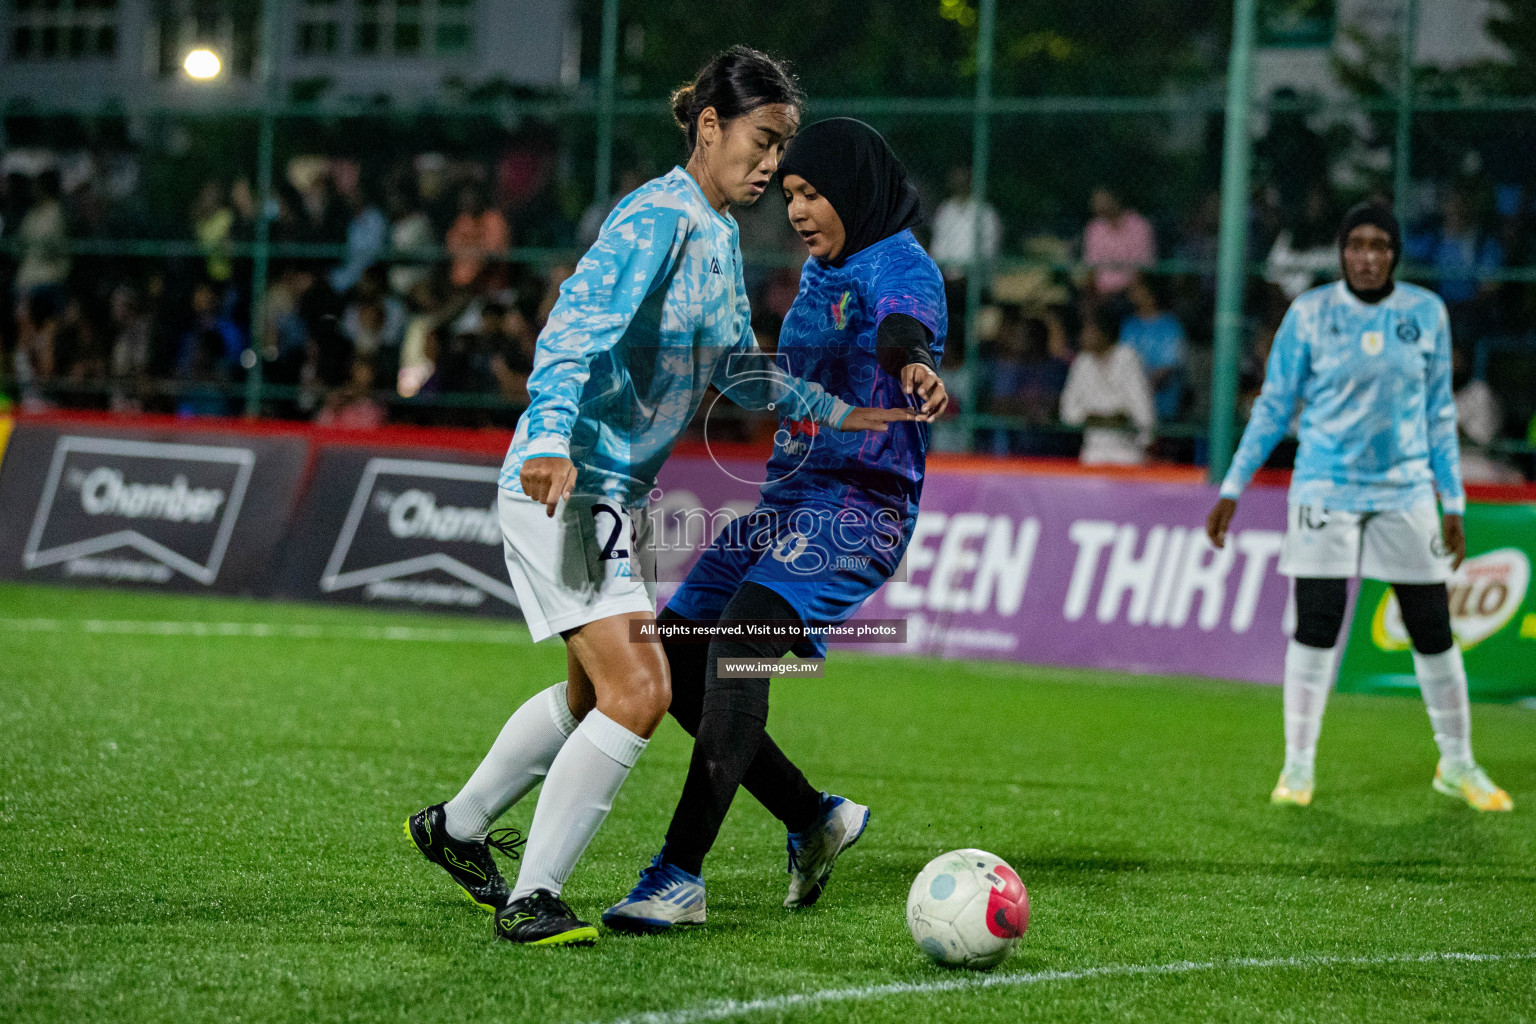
(1378, 420)
(655, 313)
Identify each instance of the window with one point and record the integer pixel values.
(230, 28)
(63, 29)
(412, 28)
(319, 29)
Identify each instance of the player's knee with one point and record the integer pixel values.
(1320, 611)
(637, 699)
(1426, 612)
(650, 695)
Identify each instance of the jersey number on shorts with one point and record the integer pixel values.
(611, 547)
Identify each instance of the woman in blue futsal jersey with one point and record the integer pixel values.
(655, 313)
(867, 325)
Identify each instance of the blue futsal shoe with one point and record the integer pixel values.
(666, 896)
(813, 852)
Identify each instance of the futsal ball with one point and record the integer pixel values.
(968, 909)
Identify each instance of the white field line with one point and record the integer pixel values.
(725, 1009)
(279, 630)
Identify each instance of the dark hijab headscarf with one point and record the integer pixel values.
(1377, 214)
(850, 163)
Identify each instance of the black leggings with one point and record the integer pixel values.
(728, 719)
(1426, 613)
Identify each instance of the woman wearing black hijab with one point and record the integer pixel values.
(833, 521)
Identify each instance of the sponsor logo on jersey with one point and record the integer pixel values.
(714, 265)
(1372, 342)
(1485, 594)
(807, 427)
(421, 532)
(1408, 331)
(173, 504)
(788, 437)
(840, 311)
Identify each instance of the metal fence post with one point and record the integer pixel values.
(981, 150)
(266, 81)
(1232, 256)
(607, 72)
(1400, 159)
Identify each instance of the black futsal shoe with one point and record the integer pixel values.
(542, 919)
(468, 863)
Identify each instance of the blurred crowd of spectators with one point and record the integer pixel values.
(1108, 344)
(1092, 342)
(339, 339)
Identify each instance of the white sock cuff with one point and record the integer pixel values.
(560, 710)
(1445, 665)
(612, 738)
(1311, 660)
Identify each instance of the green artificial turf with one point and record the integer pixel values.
(208, 828)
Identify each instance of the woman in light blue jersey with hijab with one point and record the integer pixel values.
(1368, 360)
(655, 313)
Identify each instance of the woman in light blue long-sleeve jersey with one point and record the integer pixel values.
(655, 313)
(1369, 362)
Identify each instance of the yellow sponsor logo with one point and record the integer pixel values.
(1485, 593)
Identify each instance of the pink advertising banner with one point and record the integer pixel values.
(1060, 570)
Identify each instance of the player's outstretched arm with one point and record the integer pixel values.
(866, 418)
(753, 380)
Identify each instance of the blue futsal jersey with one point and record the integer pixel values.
(655, 313)
(838, 509)
(1378, 419)
(829, 337)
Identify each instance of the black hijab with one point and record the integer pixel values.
(850, 163)
(1378, 215)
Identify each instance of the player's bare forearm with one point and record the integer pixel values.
(876, 420)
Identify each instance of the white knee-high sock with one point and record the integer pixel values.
(1308, 677)
(519, 758)
(582, 783)
(1443, 681)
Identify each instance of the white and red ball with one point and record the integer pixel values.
(968, 908)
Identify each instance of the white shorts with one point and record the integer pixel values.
(588, 562)
(1393, 547)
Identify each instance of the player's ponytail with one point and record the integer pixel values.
(735, 82)
(682, 100)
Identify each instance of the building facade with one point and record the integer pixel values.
(84, 53)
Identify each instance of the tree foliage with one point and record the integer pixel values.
(925, 47)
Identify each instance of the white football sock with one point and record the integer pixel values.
(582, 783)
(1308, 677)
(1443, 681)
(519, 758)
